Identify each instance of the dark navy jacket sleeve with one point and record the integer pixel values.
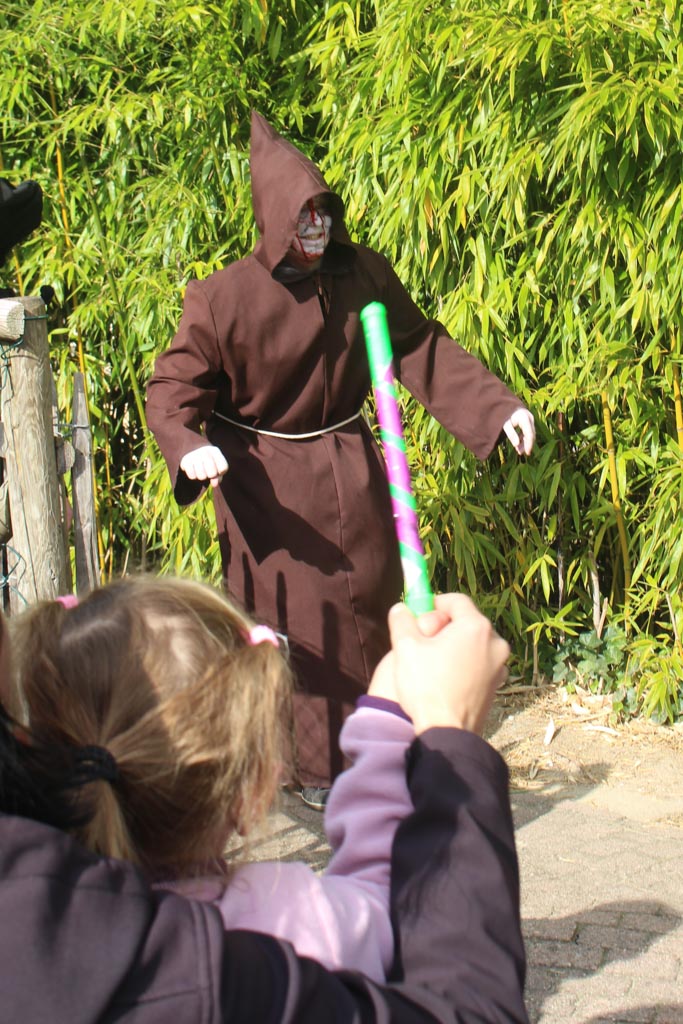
(455, 881)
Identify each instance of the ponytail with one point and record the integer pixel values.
(71, 665)
(163, 725)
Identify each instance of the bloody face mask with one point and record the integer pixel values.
(313, 230)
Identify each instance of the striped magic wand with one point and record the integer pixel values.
(418, 593)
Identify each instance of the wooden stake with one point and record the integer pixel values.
(39, 556)
(85, 519)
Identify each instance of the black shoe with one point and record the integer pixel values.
(314, 796)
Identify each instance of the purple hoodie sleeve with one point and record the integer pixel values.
(342, 917)
(364, 809)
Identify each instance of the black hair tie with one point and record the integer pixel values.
(92, 764)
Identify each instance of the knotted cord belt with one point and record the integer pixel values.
(290, 437)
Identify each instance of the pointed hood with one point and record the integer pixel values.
(282, 180)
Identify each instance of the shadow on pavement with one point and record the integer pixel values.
(530, 801)
(292, 832)
(594, 946)
(669, 1014)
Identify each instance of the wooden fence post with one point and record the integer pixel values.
(40, 558)
(85, 520)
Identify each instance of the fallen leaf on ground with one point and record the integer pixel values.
(549, 733)
(602, 728)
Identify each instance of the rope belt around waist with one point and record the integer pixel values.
(290, 437)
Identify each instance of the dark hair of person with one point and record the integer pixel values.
(34, 779)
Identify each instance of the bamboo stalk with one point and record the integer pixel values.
(616, 499)
(17, 271)
(109, 568)
(560, 518)
(219, 176)
(674, 625)
(595, 590)
(565, 19)
(678, 405)
(63, 208)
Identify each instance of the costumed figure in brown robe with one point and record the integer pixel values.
(267, 375)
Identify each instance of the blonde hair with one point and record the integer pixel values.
(159, 672)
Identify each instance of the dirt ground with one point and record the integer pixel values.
(553, 742)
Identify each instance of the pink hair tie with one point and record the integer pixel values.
(67, 600)
(262, 635)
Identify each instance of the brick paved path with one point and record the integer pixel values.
(602, 905)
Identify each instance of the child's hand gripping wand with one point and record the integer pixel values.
(418, 593)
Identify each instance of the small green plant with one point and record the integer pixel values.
(596, 663)
(659, 669)
(600, 664)
(642, 675)
(626, 703)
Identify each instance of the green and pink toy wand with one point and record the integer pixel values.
(418, 593)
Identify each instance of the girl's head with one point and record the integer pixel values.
(161, 675)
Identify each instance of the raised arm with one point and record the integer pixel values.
(455, 878)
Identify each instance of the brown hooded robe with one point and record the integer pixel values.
(305, 526)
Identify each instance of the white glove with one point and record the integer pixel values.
(205, 463)
(524, 422)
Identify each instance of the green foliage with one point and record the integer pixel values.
(660, 670)
(599, 663)
(518, 160)
(643, 675)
